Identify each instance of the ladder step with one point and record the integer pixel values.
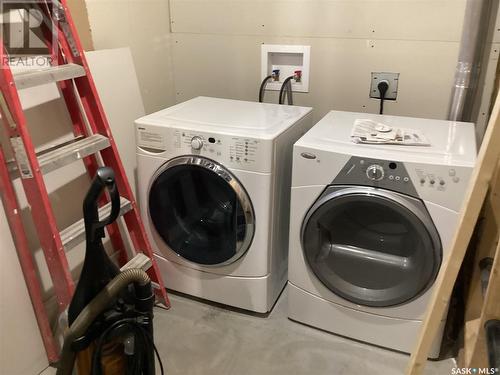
(139, 261)
(32, 78)
(69, 152)
(75, 233)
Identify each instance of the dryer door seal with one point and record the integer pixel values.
(201, 211)
(373, 247)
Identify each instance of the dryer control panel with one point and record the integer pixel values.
(377, 173)
(232, 151)
(439, 184)
(439, 179)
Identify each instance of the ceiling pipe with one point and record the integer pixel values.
(474, 32)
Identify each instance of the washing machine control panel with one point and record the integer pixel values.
(232, 151)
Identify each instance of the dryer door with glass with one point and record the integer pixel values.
(370, 246)
(201, 211)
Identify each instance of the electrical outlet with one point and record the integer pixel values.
(392, 78)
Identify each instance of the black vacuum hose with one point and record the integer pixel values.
(97, 306)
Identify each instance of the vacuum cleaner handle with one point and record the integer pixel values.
(104, 180)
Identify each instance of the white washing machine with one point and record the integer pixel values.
(371, 226)
(214, 190)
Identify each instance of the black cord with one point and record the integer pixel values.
(283, 88)
(142, 348)
(262, 88)
(383, 86)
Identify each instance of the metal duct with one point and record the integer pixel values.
(476, 20)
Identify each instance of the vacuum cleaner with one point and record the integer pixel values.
(111, 314)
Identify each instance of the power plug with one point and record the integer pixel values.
(382, 86)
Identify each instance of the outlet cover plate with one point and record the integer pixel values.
(392, 78)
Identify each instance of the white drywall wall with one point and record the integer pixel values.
(216, 49)
(21, 347)
(142, 25)
(213, 48)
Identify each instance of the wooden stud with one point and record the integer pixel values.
(474, 199)
(488, 232)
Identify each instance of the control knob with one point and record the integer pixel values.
(375, 172)
(197, 143)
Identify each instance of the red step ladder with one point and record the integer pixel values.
(93, 143)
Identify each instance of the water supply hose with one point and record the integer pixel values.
(286, 91)
(263, 87)
(97, 306)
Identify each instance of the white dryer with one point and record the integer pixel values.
(371, 226)
(214, 180)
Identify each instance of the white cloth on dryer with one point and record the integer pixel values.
(371, 132)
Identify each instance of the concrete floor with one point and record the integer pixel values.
(198, 338)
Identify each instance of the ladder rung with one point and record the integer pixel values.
(139, 261)
(75, 233)
(70, 152)
(32, 78)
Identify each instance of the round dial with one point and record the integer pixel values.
(197, 143)
(375, 172)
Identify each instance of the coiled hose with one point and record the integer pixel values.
(99, 304)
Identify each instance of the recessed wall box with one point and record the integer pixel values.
(288, 59)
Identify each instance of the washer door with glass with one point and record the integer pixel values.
(370, 246)
(201, 211)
